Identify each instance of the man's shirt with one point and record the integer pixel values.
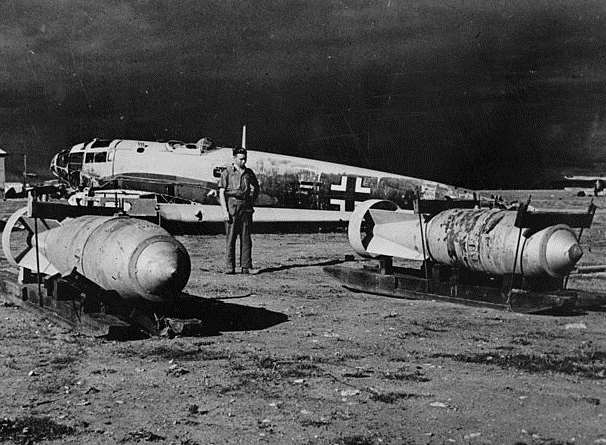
(241, 185)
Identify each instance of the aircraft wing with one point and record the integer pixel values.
(206, 218)
(214, 214)
(584, 178)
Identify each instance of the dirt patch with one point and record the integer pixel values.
(30, 430)
(170, 352)
(404, 375)
(138, 436)
(392, 397)
(356, 440)
(588, 364)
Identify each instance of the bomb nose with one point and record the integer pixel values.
(575, 253)
(562, 252)
(162, 269)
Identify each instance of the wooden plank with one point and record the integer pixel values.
(67, 314)
(416, 288)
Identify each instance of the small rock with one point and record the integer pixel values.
(299, 381)
(83, 403)
(91, 390)
(350, 392)
(32, 373)
(438, 405)
(472, 435)
(176, 370)
(579, 325)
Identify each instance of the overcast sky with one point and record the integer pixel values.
(478, 93)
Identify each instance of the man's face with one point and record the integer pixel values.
(240, 160)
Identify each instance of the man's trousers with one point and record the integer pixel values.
(240, 225)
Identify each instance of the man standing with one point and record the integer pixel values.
(238, 190)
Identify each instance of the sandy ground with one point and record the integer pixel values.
(302, 360)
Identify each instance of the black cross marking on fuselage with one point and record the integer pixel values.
(348, 192)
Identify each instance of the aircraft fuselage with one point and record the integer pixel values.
(190, 172)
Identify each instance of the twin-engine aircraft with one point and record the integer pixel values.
(585, 185)
(292, 189)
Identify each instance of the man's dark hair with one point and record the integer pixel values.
(239, 151)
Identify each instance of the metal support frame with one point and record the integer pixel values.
(425, 265)
(37, 258)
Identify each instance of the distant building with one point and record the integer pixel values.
(2, 173)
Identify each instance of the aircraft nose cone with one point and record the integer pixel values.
(162, 270)
(562, 252)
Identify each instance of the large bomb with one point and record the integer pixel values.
(481, 240)
(133, 257)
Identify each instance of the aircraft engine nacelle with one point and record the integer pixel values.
(480, 240)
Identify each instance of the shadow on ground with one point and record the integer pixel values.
(218, 316)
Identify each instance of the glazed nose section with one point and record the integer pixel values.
(53, 166)
(562, 252)
(162, 269)
(58, 166)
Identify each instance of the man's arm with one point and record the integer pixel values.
(222, 199)
(223, 203)
(254, 186)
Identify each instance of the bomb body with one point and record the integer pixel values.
(480, 240)
(133, 257)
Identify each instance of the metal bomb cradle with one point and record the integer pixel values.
(102, 273)
(509, 259)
